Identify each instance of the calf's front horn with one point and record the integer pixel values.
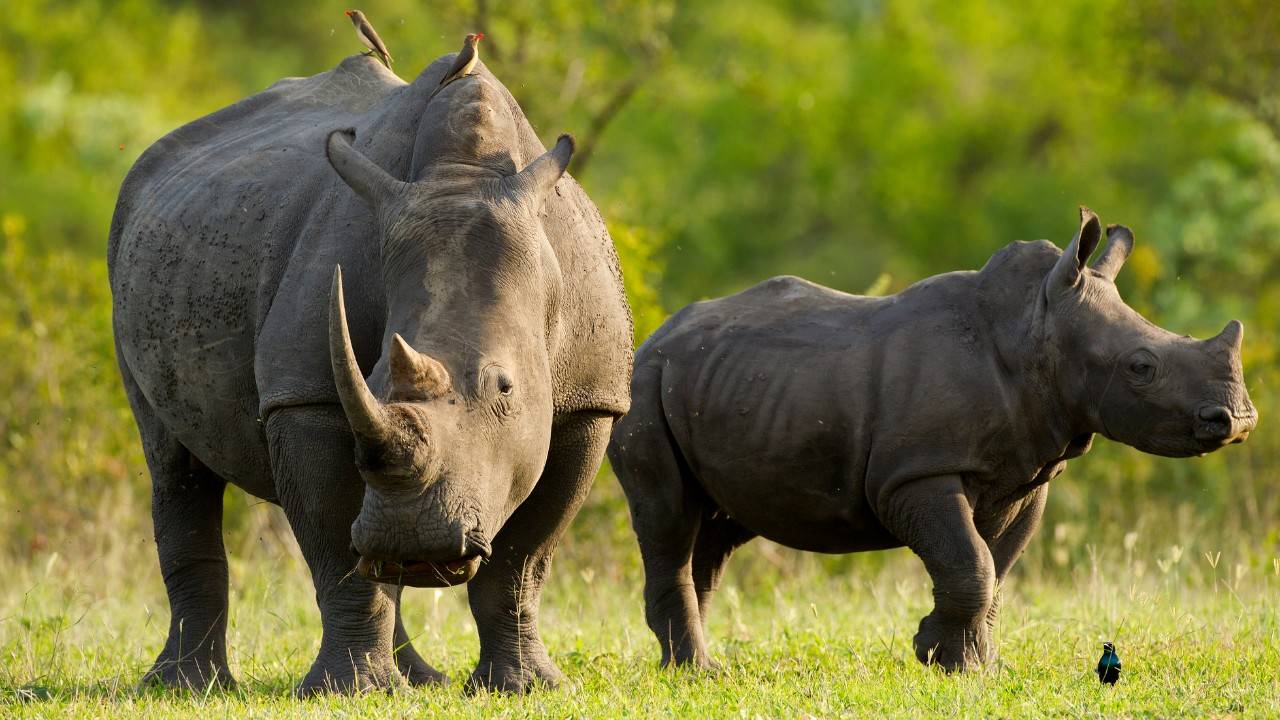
(1230, 339)
(368, 418)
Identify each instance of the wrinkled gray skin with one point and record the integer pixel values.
(933, 419)
(484, 305)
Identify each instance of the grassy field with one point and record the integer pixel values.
(798, 635)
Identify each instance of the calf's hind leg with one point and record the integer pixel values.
(666, 509)
(718, 536)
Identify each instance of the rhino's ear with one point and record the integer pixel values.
(533, 183)
(1066, 273)
(359, 172)
(1119, 245)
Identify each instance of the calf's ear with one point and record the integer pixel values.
(1119, 245)
(1066, 272)
(359, 172)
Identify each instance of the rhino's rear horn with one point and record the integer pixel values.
(370, 422)
(414, 375)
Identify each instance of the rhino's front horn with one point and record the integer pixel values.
(368, 418)
(1230, 339)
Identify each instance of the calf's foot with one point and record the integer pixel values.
(953, 646)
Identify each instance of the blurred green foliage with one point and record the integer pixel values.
(862, 144)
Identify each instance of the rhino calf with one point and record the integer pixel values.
(933, 419)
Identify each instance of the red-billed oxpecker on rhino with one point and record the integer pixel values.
(933, 419)
(478, 293)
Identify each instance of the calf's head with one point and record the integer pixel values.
(453, 426)
(1132, 381)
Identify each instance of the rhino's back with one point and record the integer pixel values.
(776, 320)
(206, 226)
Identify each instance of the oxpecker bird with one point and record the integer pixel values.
(369, 37)
(1108, 665)
(464, 63)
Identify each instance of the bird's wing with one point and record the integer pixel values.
(372, 36)
(459, 62)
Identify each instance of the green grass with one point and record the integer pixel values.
(794, 639)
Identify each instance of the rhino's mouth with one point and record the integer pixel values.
(419, 573)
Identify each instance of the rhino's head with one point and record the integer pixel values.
(453, 427)
(1127, 378)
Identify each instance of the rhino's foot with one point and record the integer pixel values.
(514, 675)
(416, 671)
(354, 676)
(188, 674)
(953, 647)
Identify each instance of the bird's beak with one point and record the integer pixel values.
(347, 13)
(479, 37)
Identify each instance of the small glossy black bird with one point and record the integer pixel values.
(464, 63)
(1108, 665)
(369, 36)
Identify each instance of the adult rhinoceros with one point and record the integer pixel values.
(483, 302)
(933, 418)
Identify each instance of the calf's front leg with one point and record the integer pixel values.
(1008, 542)
(933, 517)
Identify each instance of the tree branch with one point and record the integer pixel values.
(601, 120)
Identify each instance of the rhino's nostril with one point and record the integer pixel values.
(1215, 413)
(475, 543)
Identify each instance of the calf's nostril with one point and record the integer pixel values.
(1215, 413)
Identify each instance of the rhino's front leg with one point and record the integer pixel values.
(933, 517)
(505, 594)
(320, 491)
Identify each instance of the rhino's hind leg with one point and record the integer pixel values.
(505, 594)
(186, 510)
(666, 509)
(408, 661)
(320, 491)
